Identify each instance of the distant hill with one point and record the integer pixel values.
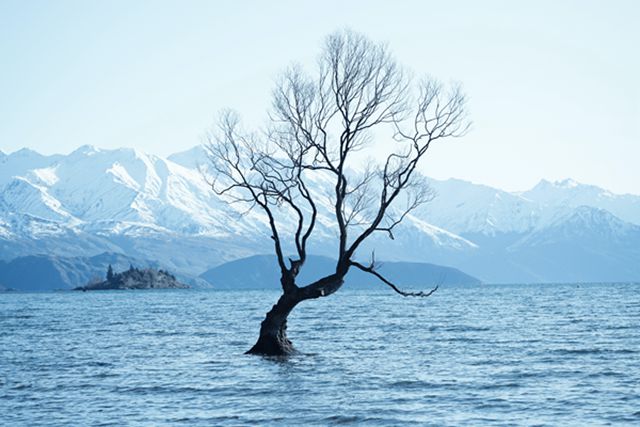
(45, 272)
(261, 272)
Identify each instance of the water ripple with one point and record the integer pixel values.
(496, 355)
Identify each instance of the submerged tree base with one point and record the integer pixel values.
(273, 340)
(272, 347)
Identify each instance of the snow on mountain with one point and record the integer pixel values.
(571, 194)
(116, 201)
(23, 234)
(22, 161)
(587, 244)
(436, 234)
(5, 232)
(463, 207)
(597, 227)
(21, 195)
(415, 240)
(125, 201)
(192, 158)
(140, 202)
(112, 188)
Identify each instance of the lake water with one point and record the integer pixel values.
(491, 355)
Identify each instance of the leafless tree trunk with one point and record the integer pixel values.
(316, 124)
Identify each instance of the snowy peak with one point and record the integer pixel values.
(25, 152)
(84, 150)
(571, 194)
(191, 158)
(565, 183)
(21, 162)
(568, 183)
(547, 191)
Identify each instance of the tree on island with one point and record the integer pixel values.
(316, 124)
(109, 273)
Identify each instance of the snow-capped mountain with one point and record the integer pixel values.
(146, 206)
(118, 200)
(125, 201)
(571, 194)
(462, 207)
(466, 208)
(585, 244)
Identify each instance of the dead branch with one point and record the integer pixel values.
(316, 125)
(371, 270)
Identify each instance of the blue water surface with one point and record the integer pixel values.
(487, 355)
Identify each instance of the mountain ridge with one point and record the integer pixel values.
(149, 207)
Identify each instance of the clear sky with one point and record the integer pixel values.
(554, 86)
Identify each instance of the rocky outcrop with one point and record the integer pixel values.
(135, 278)
(5, 289)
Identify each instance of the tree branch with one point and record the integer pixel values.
(316, 125)
(371, 270)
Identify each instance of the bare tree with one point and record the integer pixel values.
(316, 124)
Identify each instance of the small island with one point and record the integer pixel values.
(5, 288)
(135, 278)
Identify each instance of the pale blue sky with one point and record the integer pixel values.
(553, 85)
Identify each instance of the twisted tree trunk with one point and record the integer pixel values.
(273, 340)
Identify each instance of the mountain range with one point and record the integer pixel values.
(145, 207)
